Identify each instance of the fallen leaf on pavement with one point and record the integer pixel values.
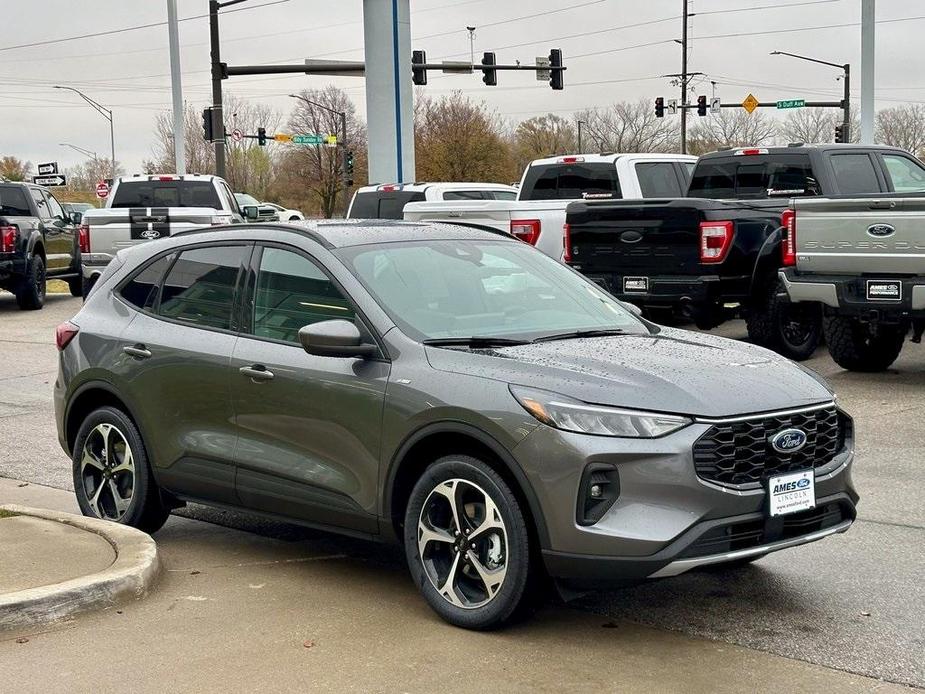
(257, 586)
(309, 644)
(24, 484)
(22, 639)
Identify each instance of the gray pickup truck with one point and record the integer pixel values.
(863, 259)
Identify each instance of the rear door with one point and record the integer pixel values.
(60, 237)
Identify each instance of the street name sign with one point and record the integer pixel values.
(48, 169)
(56, 180)
(791, 103)
(308, 139)
(750, 103)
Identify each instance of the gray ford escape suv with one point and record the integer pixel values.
(450, 388)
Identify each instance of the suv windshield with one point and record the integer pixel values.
(754, 177)
(440, 288)
(166, 193)
(571, 182)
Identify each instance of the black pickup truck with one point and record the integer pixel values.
(715, 254)
(38, 241)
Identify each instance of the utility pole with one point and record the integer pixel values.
(684, 79)
(176, 84)
(868, 19)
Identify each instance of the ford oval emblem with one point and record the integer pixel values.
(788, 440)
(881, 230)
(631, 236)
(150, 234)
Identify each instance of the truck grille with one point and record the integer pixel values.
(739, 454)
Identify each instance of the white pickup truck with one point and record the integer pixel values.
(537, 216)
(149, 207)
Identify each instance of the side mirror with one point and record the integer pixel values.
(251, 213)
(632, 308)
(76, 217)
(335, 338)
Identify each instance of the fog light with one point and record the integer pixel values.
(596, 491)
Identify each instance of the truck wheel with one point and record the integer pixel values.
(76, 285)
(31, 293)
(854, 346)
(793, 330)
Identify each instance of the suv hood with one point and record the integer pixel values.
(674, 371)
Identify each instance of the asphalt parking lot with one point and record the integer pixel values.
(854, 602)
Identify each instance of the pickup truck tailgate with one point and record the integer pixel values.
(860, 235)
(114, 229)
(644, 237)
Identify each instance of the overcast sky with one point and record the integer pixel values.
(604, 53)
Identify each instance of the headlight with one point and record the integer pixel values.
(566, 413)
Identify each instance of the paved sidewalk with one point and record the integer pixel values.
(237, 611)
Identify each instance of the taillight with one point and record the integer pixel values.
(788, 244)
(7, 239)
(527, 230)
(64, 333)
(83, 238)
(715, 241)
(566, 243)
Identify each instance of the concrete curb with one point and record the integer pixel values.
(130, 577)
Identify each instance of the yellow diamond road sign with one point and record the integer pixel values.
(750, 103)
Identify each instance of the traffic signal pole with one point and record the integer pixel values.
(684, 80)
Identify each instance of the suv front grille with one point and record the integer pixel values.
(739, 454)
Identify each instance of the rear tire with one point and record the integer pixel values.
(76, 285)
(855, 347)
(473, 572)
(31, 293)
(793, 330)
(112, 477)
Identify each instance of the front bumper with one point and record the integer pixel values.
(665, 519)
(847, 293)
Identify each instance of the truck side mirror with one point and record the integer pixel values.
(251, 213)
(76, 217)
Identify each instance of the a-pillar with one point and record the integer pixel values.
(389, 108)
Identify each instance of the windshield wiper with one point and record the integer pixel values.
(474, 341)
(574, 334)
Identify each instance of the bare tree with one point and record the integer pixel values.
(318, 168)
(902, 126)
(543, 136)
(731, 128)
(84, 177)
(817, 125)
(630, 127)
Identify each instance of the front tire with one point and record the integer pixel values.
(31, 293)
(467, 544)
(112, 477)
(855, 347)
(76, 285)
(790, 329)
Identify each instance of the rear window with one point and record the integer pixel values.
(174, 193)
(571, 182)
(382, 204)
(13, 202)
(754, 177)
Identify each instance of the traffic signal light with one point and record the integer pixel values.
(262, 136)
(207, 125)
(659, 107)
(556, 80)
(489, 74)
(348, 163)
(841, 132)
(702, 105)
(418, 74)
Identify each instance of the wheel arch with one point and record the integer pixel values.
(87, 398)
(768, 261)
(435, 440)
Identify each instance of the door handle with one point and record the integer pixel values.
(881, 205)
(256, 372)
(138, 351)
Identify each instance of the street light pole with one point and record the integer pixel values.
(107, 114)
(846, 99)
(580, 122)
(343, 127)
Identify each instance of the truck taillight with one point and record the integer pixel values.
(527, 230)
(788, 244)
(715, 241)
(566, 243)
(83, 238)
(7, 239)
(64, 333)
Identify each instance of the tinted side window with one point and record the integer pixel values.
(293, 292)
(199, 289)
(463, 195)
(907, 174)
(502, 195)
(141, 290)
(54, 207)
(854, 173)
(41, 203)
(658, 180)
(13, 202)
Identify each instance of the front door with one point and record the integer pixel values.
(60, 237)
(177, 353)
(308, 427)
